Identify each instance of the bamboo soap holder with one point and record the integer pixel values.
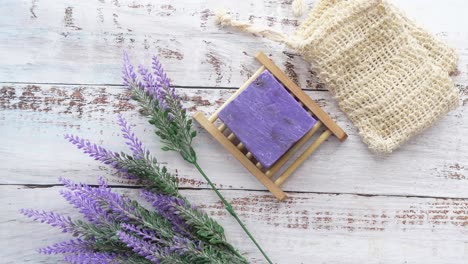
(268, 176)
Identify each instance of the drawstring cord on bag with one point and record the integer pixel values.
(223, 19)
(298, 7)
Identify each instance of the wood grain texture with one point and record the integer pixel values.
(306, 228)
(59, 73)
(82, 42)
(34, 119)
(303, 157)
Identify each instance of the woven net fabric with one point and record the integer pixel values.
(388, 75)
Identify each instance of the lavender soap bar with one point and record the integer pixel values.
(266, 119)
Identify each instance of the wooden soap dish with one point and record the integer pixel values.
(237, 149)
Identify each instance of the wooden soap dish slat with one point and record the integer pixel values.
(302, 97)
(243, 87)
(238, 150)
(298, 162)
(227, 144)
(277, 166)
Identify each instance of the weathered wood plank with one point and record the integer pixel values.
(34, 119)
(307, 228)
(82, 42)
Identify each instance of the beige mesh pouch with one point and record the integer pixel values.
(389, 76)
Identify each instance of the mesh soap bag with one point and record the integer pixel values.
(389, 76)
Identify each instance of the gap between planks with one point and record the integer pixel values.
(123, 86)
(117, 186)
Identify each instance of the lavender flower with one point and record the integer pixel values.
(51, 218)
(161, 77)
(129, 75)
(149, 84)
(179, 250)
(120, 230)
(141, 247)
(147, 235)
(105, 210)
(75, 246)
(100, 204)
(79, 196)
(93, 150)
(132, 141)
(167, 207)
(174, 126)
(151, 87)
(163, 106)
(140, 165)
(178, 245)
(117, 229)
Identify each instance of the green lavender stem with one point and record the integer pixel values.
(189, 155)
(229, 208)
(174, 127)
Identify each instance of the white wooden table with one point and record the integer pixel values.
(60, 67)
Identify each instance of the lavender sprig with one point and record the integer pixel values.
(145, 168)
(141, 247)
(164, 108)
(94, 151)
(173, 125)
(162, 191)
(56, 220)
(117, 229)
(126, 233)
(72, 246)
(117, 208)
(135, 145)
(167, 206)
(85, 230)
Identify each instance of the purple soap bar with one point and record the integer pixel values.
(266, 119)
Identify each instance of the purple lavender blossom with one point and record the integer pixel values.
(129, 75)
(145, 234)
(181, 245)
(167, 207)
(89, 206)
(150, 85)
(141, 247)
(150, 173)
(101, 201)
(155, 84)
(94, 258)
(93, 150)
(162, 81)
(56, 220)
(178, 244)
(100, 154)
(136, 146)
(71, 246)
(101, 205)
